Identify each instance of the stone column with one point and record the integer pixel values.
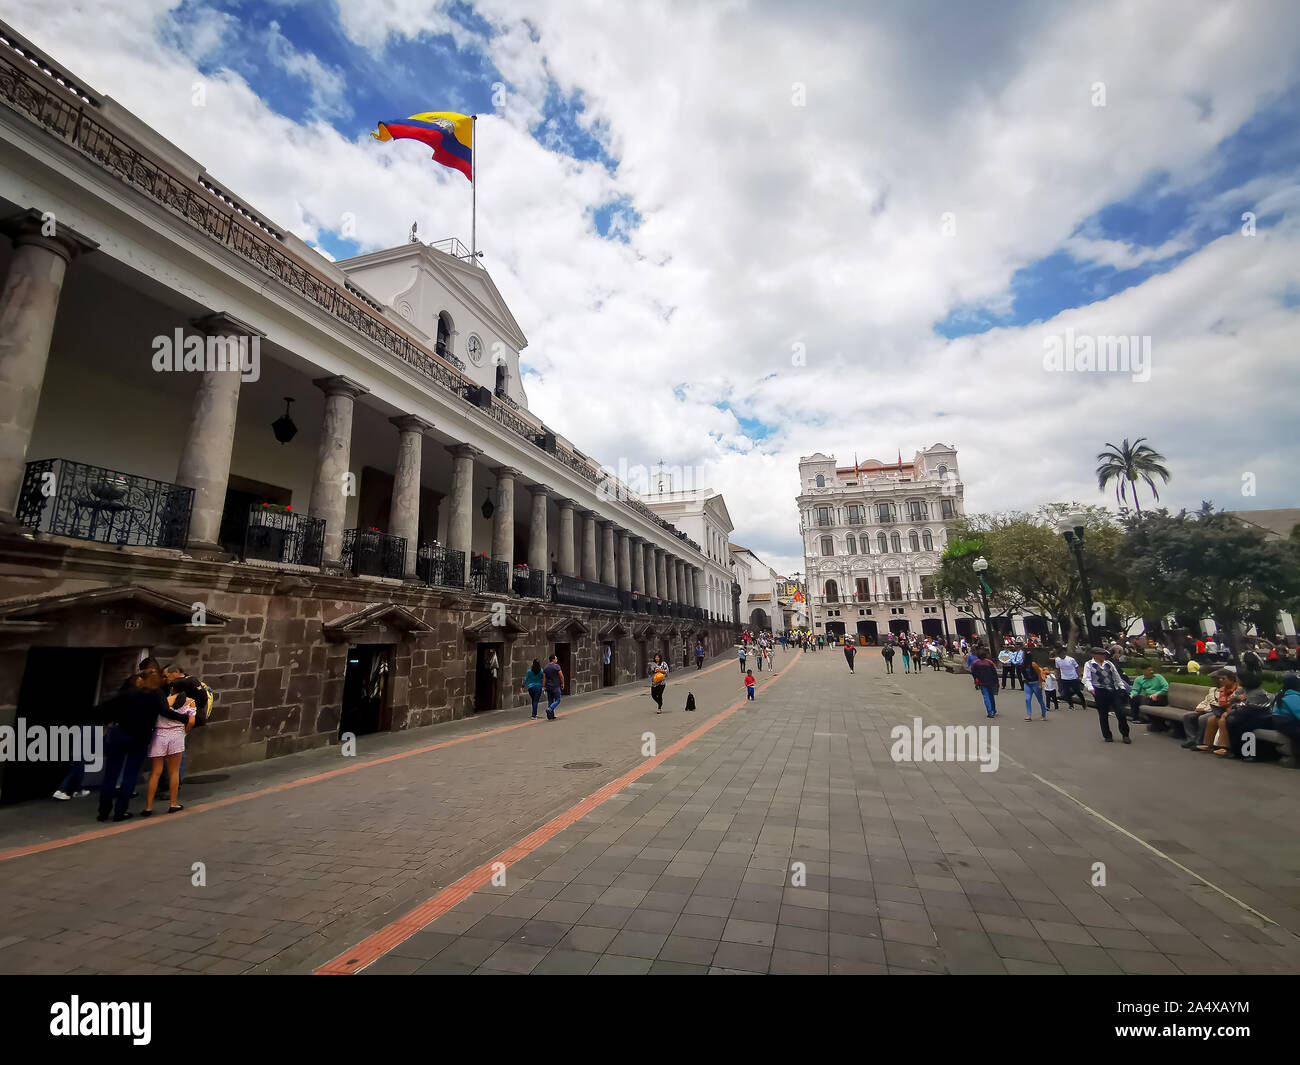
(651, 571)
(567, 562)
(460, 520)
(205, 456)
(661, 574)
(624, 561)
(688, 584)
(28, 307)
(638, 565)
(608, 574)
(328, 495)
(404, 513)
(700, 589)
(537, 531)
(503, 518)
(590, 564)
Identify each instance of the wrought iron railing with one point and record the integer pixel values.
(440, 566)
(371, 553)
(578, 592)
(282, 536)
(530, 583)
(86, 502)
(489, 576)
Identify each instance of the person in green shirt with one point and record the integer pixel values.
(1150, 689)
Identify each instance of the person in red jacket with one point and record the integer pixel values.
(749, 685)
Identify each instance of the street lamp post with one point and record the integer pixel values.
(1072, 529)
(980, 566)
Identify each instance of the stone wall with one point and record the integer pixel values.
(268, 653)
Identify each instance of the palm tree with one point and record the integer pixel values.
(1126, 465)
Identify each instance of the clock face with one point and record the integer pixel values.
(474, 347)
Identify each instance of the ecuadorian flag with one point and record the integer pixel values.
(451, 136)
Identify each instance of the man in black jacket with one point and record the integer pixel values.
(135, 712)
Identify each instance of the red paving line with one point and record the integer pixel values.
(374, 947)
(217, 804)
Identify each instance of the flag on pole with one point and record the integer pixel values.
(450, 135)
(900, 462)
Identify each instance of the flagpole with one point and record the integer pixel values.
(473, 187)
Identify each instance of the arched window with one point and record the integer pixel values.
(882, 544)
(927, 541)
(866, 544)
(828, 546)
(821, 481)
(943, 471)
(832, 592)
(852, 545)
(895, 543)
(913, 541)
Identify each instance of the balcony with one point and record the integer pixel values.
(371, 553)
(85, 502)
(578, 592)
(529, 583)
(488, 576)
(275, 535)
(439, 566)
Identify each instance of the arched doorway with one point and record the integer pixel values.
(758, 620)
(834, 628)
(868, 630)
(443, 342)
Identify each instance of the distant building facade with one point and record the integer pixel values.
(873, 533)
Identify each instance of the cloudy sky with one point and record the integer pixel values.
(773, 229)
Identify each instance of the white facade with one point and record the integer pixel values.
(873, 533)
(702, 515)
(759, 591)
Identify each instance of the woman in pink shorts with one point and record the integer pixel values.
(166, 749)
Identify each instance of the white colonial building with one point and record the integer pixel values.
(872, 536)
(760, 588)
(702, 515)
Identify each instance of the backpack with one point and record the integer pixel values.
(202, 719)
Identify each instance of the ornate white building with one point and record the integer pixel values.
(702, 515)
(872, 536)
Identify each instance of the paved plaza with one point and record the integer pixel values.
(776, 836)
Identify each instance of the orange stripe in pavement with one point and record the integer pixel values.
(371, 949)
(288, 785)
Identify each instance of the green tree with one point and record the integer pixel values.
(1126, 465)
(1209, 564)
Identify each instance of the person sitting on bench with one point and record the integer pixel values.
(1150, 689)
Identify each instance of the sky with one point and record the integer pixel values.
(850, 227)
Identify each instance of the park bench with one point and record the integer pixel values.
(1185, 697)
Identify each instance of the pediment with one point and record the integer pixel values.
(567, 627)
(644, 632)
(378, 617)
(613, 631)
(42, 613)
(489, 626)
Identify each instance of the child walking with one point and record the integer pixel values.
(1049, 689)
(749, 685)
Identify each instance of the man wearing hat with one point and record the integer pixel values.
(1103, 679)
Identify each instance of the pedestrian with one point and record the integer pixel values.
(166, 749)
(849, 652)
(533, 684)
(1282, 715)
(553, 683)
(985, 672)
(907, 655)
(1067, 669)
(134, 713)
(1031, 681)
(758, 650)
(181, 683)
(658, 681)
(887, 653)
(1049, 689)
(1103, 679)
(699, 655)
(742, 655)
(749, 687)
(1007, 657)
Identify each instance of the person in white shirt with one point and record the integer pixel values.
(1211, 648)
(1103, 678)
(1068, 670)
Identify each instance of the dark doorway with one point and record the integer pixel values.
(609, 663)
(564, 655)
(932, 627)
(642, 658)
(487, 686)
(60, 687)
(1036, 625)
(365, 691)
(868, 630)
(965, 628)
(834, 628)
(898, 626)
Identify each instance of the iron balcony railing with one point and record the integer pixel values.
(489, 576)
(371, 553)
(440, 566)
(530, 583)
(578, 592)
(86, 502)
(282, 536)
